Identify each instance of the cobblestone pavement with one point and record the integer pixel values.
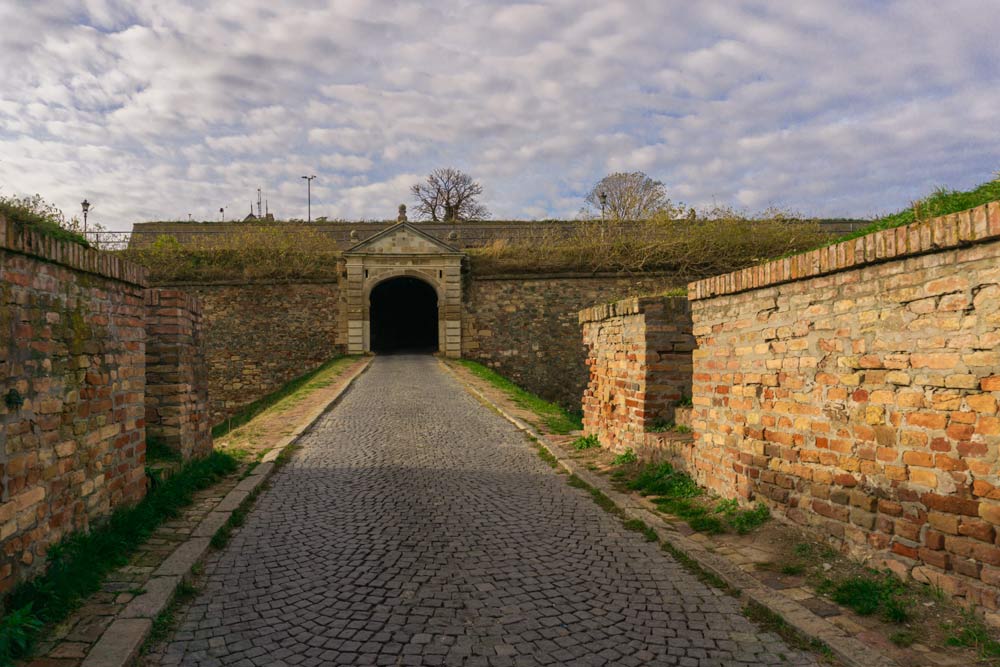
(416, 527)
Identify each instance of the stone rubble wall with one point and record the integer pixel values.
(176, 374)
(258, 336)
(639, 357)
(71, 392)
(855, 389)
(527, 327)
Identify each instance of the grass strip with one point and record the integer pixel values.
(556, 419)
(285, 397)
(236, 519)
(773, 622)
(940, 202)
(79, 563)
(166, 620)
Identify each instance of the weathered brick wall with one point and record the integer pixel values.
(176, 373)
(639, 357)
(855, 388)
(528, 328)
(72, 349)
(257, 337)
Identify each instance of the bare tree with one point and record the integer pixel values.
(449, 195)
(629, 196)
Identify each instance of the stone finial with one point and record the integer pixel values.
(354, 235)
(402, 213)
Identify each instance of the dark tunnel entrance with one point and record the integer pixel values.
(404, 316)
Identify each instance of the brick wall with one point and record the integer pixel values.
(176, 373)
(639, 358)
(257, 337)
(72, 350)
(528, 328)
(855, 389)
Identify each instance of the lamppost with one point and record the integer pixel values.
(85, 205)
(309, 180)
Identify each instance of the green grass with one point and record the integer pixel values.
(743, 520)
(167, 619)
(660, 426)
(940, 202)
(675, 492)
(78, 564)
(974, 634)
(556, 419)
(236, 519)
(586, 442)
(157, 451)
(37, 215)
(625, 458)
(773, 622)
(871, 593)
(640, 526)
(287, 396)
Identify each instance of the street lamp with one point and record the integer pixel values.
(309, 180)
(604, 202)
(85, 205)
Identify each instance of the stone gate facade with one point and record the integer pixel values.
(403, 250)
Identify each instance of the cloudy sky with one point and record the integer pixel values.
(154, 109)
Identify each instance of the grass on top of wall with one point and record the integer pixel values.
(289, 394)
(940, 202)
(78, 564)
(35, 214)
(254, 252)
(708, 243)
(556, 419)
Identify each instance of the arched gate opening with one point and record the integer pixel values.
(404, 316)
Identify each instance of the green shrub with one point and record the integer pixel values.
(626, 457)
(586, 442)
(35, 214)
(743, 520)
(871, 593)
(715, 241)
(254, 252)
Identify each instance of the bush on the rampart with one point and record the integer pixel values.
(270, 252)
(36, 214)
(712, 242)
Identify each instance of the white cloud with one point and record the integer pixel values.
(152, 109)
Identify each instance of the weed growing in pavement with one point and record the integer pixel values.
(773, 622)
(167, 619)
(640, 526)
(236, 519)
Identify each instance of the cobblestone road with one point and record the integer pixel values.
(416, 527)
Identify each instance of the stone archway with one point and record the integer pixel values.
(403, 315)
(402, 251)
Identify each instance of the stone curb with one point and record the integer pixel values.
(120, 643)
(849, 650)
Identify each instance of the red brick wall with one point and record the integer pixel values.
(72, 346)
(639, 358)
(855, 389)
(176, 373)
